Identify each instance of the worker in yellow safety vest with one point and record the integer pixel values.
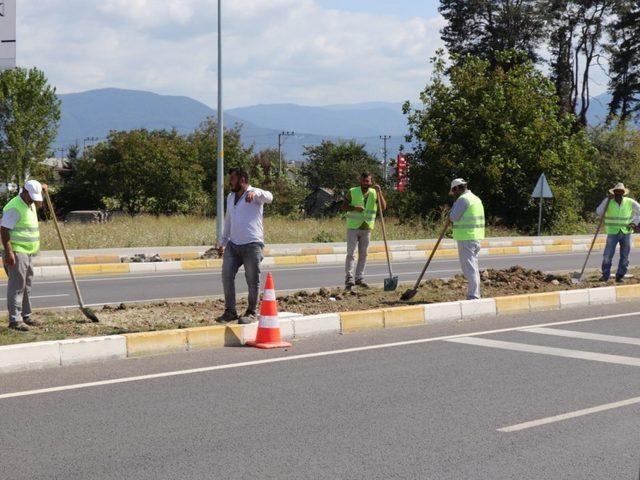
(21, 242)
(467, 215)
(621, 216)
(361, 205)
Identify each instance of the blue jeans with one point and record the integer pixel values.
(624, 239)
(235, 256)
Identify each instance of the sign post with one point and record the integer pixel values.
(542, 190)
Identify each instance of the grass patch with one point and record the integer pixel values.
(147, 231)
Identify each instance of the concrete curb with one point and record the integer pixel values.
(39, 355)
(289, 260)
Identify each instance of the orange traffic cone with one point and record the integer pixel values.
(268, 335)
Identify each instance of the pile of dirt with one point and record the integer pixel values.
(144, 258)
(211, 253)
(167, 315)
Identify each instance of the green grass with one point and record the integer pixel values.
(146, 231)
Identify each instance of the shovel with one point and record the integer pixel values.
(86, 311)
(577, 277)
(409, 294)
(391, 283)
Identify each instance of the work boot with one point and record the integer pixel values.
(248, 318)
(348, 286)
(29, 321)
(619, 279)
(19, 326)
(604, 279)
(227, 316)
(362, 284)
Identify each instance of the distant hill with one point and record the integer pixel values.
(96, 112)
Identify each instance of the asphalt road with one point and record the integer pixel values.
(160, 286)
(486, 399)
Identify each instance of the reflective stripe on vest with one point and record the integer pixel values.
(25, 235)
(618, 217)
(368, 216)
(471, 225)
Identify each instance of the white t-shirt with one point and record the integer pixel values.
(243, 221)
(10, 218)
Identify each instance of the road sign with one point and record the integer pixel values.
(542, 188)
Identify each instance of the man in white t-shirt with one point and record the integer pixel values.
(242, 244)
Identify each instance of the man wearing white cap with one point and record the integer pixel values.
(621, 215)
(21, 242)
(467, 215)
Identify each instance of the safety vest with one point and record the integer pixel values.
(368, 216)
(25, 236)
(618, 217)
(471, 225)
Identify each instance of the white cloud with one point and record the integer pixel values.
(274, 51)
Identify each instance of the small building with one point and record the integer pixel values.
(322, 202)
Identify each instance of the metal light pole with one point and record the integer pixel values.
(220, 160)
(280, 143)
(385, 138)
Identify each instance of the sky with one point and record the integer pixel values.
(310, 52)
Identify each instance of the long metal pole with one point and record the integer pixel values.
(540, 215)
(220, 159)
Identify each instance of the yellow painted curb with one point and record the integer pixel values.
(214, 263)
(544, 301)
(151, 343)
(511, 251)
(362, 320)
(317, 251)
(97, 259)
(513, 303)
(214, 336)
(403, 316)
(296, 260)
(563, 247)
(624, 292)
(425, 246)
(179, 255)
(3, 274)
(376, 249)
(496, 251)
(193, 264)
(446, 253)
(522, 243)
(377, 256)
(563, 242)
(104, 268)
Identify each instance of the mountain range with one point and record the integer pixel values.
(96, 112)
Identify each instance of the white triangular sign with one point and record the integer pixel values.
(542, 188)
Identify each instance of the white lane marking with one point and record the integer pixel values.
(176, 373)
(44, 296)
(141, 276)
(584, 335)
(569, 415)
(553, 351)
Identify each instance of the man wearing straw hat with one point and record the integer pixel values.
(621, 215)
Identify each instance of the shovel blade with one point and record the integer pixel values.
(390, 284)
(576, 278)
(408, 295)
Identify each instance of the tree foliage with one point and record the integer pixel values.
(29, 118)
(500, 130)
(483, 28)
(624, 62)
(338, 166)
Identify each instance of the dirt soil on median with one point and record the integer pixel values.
(57, 325)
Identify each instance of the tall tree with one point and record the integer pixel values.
(499, 129)
(576, 33)
(624, 61)
(483, 28)
(29, 118)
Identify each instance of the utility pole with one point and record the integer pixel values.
(220, 158)
(281, 138)
(384, 138)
